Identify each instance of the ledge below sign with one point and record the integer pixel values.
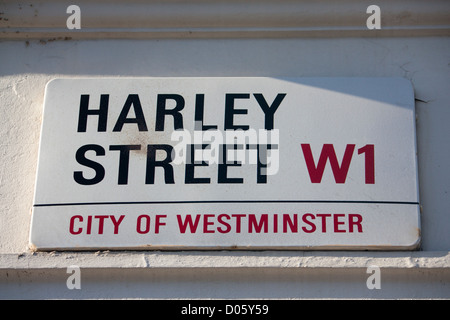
(227, 163)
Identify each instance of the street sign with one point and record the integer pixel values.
(223, 163)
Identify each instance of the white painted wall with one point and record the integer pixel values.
(27, 64)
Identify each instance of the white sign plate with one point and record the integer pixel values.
(222, 163)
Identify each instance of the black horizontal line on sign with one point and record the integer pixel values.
(219, 201)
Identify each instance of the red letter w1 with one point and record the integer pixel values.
(339, 171)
